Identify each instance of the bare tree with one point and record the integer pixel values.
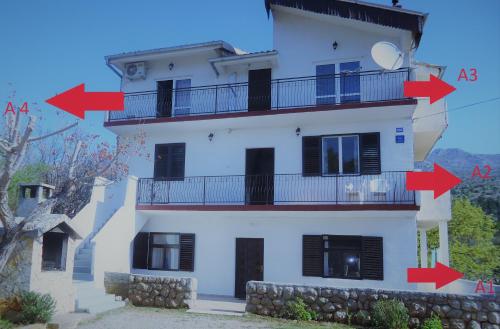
(74, 160)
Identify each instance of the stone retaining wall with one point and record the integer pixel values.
(333, 304)
(165, 292)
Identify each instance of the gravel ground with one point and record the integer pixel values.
(150, 318)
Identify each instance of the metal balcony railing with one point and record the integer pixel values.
(347, 87)
(282, 189)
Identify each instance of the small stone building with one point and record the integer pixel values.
(43, 260)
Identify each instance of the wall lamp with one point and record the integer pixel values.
(335, 45)
(211, 136)
(297, 131)
(170, 66)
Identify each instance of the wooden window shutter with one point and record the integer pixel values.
(372, 258)
(312, 255)
(177, 161)
(311, 156)
(370, 153)
(161, 161)
(186, 259)
(141, 246)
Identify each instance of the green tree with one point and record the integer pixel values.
(32, 173)
(471, 234)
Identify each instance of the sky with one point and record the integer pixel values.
(47, 47)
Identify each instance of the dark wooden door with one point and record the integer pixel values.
(259, 90)
(259, 176)
(249, 263)
(164, 98)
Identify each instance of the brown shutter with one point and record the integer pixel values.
(372, 258)
(177, 161)
(161, 161)
(140, 256)
(311, 156)
(186, 259)
(164, 98)
(312, 255)
(370, 153)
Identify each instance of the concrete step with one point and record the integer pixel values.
(82, 262)
(83, 276)
(80, 269)
(85, 251)
(94, 300)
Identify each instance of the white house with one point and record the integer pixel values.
(285, 165)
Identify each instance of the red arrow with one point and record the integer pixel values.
(441, 275)
(435, 89)
(440, 181)
(76, 101)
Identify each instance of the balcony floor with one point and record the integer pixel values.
(295, 207)
(226, 115)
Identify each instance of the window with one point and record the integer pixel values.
(29, 192)
(349, 82)
(170, 161)
(342, 257)
(54, 250)
(182, 104)
(164, 251)
(325, 84)
(341, 155)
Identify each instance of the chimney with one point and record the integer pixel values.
(395, 3)
(30, 195)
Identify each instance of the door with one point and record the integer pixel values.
(249, 263)
(259, 90)
(259, 176)
(164, 98)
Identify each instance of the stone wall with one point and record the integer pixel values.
(117, 284)
(332, 304)
(165, 292)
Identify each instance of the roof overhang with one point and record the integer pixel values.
(265, 59)
(117, 62)
(362, 11)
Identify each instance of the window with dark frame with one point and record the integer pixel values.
(346, 154)
(342, 257)
(165, 251)
(170, 161)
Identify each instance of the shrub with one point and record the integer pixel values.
(36, 308)
(390, 314)
(433, 322)
(4, 324)
(298, 310)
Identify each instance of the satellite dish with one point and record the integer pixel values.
(387, 55)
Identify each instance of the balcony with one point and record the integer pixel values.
(345, 90)
(283, 191)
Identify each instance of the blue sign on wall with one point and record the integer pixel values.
(400, 139)
(399, 130)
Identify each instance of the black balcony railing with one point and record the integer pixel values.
(347, 87)
(386, 188)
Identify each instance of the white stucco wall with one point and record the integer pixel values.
(216, 234)
(225, 155)
(59, 284)
(112, 243)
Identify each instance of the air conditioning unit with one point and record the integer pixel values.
(135, 71)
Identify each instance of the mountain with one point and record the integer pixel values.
(483, 192)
